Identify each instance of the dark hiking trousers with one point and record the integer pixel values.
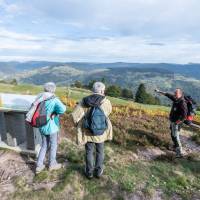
(89, 157)
(175, 135)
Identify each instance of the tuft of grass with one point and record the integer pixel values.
(42, 176)
(196, 138)
(65, 177)
(72, 152)
(21, 183)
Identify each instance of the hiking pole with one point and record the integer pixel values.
(194, 125)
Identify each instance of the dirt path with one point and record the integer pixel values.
(189, 145)
(12, 165)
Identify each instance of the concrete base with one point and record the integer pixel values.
(22, 148)
(16, 134)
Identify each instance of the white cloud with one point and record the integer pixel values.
(11, 8)
(125, 17)
(2, 3)
(110, 49)
(93, 30)
(4, 33)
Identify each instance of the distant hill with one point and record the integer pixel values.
(189, 70)
(161, 75)
(62, 75)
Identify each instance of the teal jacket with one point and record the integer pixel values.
(53, 126)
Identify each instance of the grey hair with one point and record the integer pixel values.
(50, 87)
(98, 87)
(181, 90)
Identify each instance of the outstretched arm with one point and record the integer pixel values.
(170, 96)
(160, 92)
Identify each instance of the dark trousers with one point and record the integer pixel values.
(89, 157)
(175, 132)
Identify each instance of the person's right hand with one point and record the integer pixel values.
(53, 115)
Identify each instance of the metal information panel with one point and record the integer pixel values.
(15, 132)
(16, 101)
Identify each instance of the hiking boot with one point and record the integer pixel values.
(179, 153)
(55, 167)
(172, 148)
(99, 173)
(39, 169)
(88, 175)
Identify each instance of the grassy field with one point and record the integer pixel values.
(73, 93)
(77, 94)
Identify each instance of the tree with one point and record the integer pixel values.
(126, 93)
(157, 101)
(90, 84)
(14, 82)
(141, 94)
(103, 80)
(143, 97)
(78, 84)
(113, 91)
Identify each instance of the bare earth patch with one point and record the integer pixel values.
(12, 165)
(149, 153)
(189, 145)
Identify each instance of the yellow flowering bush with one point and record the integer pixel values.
(71, 103)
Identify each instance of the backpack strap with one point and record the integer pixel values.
(52, 97)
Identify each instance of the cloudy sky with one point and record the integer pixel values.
(100, 30)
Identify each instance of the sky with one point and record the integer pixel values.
(100, 30)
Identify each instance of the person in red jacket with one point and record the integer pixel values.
(177, 116)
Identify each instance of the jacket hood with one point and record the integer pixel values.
(93, 100)
(43, 96)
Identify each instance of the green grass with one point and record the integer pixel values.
(75, 93)
(22, 89)
(121, 177)
(41, 176)
(196, 138)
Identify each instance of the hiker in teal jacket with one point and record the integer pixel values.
(54, 107)
(49, 132)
